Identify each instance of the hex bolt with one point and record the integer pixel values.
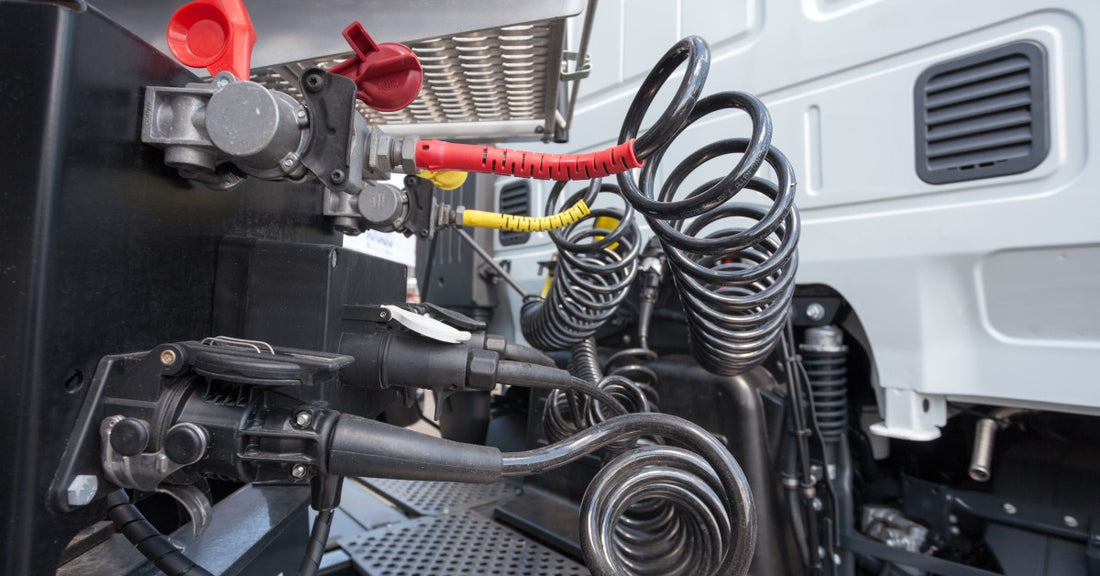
(1009, 508)
(817, 505)
(303, 419)
(288, 162)
(82, 489)
(815, 312)
(298, 471)
(168, 357)
(1071, 521)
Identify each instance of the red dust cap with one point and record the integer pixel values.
(213, 34)
(388, 76)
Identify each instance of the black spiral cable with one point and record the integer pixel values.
(566, 412)
(708, 495)
(595, 269)
(156, 547)
(735, 281)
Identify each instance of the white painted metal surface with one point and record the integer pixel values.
(983, 291)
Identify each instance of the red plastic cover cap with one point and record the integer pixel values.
(388, 75)
(213, 34)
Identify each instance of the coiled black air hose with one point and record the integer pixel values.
(597, 262)
(568, 410)
(704, 482)
(735, 281)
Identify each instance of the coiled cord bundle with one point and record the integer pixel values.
(567, 411)
(595, 269)
(710, 504)
(735, 281)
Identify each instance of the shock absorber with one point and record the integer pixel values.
(824, 356)
(735, 280)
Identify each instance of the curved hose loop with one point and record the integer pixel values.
(708, 525)
(566, 411)
(631, 364)
(735, 280)
(596, 267)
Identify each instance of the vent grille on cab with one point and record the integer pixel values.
(515, 199)
(982, 115)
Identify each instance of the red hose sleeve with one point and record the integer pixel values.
(438, 155)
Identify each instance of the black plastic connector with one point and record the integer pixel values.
(362, 447)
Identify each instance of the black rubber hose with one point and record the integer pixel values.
(363, 447)
(708, 486)
(735, 281)
(318, 539)
(596, 265)
(156, 547)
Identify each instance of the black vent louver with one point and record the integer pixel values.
(515, 198)
(982, 115)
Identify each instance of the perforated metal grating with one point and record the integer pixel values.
(501, 82)
(434, 498)
(466, 543)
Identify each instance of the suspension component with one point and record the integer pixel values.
(825, 356)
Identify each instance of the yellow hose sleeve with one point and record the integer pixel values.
(512, 223)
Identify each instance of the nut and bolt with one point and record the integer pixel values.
(298, 471)
(303, 419)
(168, 357)
(1009, 508)
(82, 489)
(1071, 521)
(815, 312)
